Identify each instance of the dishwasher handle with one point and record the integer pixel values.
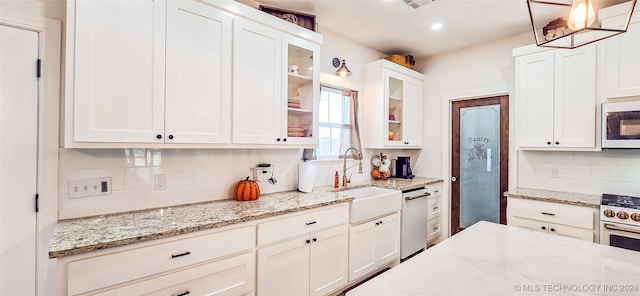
(417, 196)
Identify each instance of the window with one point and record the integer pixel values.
(333, 122)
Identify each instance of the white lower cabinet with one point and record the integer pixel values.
(553, 218)
(434, 210)
(310, 265)
(232, 276)
(178, 260)
(373, 244)
(309, 261)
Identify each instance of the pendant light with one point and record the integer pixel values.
(343, 71)
(574, 23)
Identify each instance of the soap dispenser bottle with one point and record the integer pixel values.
(336, 180)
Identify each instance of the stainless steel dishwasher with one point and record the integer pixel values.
(414, 221)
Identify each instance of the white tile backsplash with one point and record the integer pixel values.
(192, 175)
(597, 172)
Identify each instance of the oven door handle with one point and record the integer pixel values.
(619, 228)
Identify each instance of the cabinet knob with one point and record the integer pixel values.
(544, 228)
(308, 241)
(557, 143)
(278, 139)
(158, 136)
(548, 143)
(315, 239)
(284, 139)
(170, 137)
(552, 229)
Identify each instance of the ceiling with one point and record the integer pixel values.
(392, 27)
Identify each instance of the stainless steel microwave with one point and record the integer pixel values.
(621, 125)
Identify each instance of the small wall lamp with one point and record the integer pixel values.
(342, 71)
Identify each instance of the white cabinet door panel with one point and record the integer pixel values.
(257, 83)
(283, 269)
(362, 255)
(535, 90)
(622, 66)
(413, 112)
(119, 71)
(575, 97)
(388, 239)
(198, 98)
(328, 260)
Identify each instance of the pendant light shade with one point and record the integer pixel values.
(574, 23)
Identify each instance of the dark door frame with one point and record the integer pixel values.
(503, 101)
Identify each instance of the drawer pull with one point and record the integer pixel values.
(183, 293)
(311, 223)
(180, 255)
(548, 214)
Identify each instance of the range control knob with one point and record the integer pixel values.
(635, 217)
(609, 213)
(623, 215)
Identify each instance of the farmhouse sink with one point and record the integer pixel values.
(371, 202)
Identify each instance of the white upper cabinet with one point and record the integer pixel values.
(198, 89)
(621, 63)
(115, 70)
(392, 106)
(187, 73)
(556, 99)
(272, 105)
(257, 83)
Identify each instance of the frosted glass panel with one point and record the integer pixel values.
(479, 165)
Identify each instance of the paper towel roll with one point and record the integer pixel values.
(306, 176)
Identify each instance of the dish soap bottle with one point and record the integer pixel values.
(336, 180)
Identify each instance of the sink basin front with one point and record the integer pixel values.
(371, 202)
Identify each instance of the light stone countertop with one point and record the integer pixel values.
(493, 259)
(76, 236)
(571, 198)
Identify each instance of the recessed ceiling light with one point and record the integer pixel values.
(436, 26)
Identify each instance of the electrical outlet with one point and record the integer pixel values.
(89, 187)
(554, 172)
(160, 182)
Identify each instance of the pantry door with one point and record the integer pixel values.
(479, 161)
(18, 159)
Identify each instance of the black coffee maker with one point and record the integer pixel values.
(403, 167)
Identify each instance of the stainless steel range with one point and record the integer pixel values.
(620, 221)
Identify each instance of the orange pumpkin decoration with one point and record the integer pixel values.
(246, 190)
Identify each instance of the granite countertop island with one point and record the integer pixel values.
(76, 236)
(571, 198)
(494, 259)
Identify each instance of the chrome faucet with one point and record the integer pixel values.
(346, 180)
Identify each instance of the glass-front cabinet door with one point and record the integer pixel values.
(403, 108)
(302, 89)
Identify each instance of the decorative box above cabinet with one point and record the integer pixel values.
(392, 106)
(160, 74)
(621, 64)
(556, 98)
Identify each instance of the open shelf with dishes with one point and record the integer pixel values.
(300, 93)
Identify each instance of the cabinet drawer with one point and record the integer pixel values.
(304, 223)
(570, 215)
(434, 228)
(231, 276)
(102, 271)
(433, 207)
